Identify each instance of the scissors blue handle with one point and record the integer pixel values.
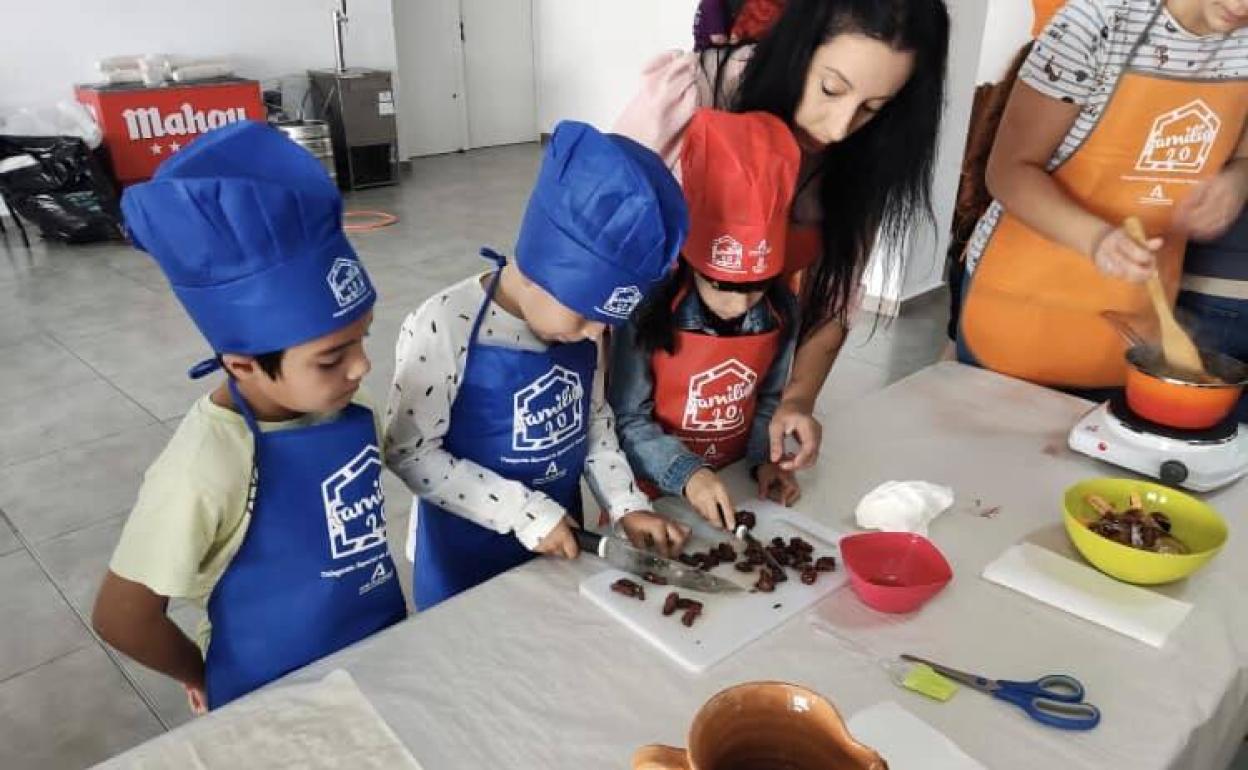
(1055, 700)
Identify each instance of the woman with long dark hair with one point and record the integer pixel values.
(860, 83)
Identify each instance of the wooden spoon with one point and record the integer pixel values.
(1179, 350)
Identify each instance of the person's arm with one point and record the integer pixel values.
(772, 386)
(132, 618)
(1056, 80)
(795, 413)
(428, 366)
(653, 454)
(1031, 129)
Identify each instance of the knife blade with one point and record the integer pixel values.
(625, 556)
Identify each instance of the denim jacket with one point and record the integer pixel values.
(664, 459)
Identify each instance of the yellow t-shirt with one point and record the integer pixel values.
(192, 514)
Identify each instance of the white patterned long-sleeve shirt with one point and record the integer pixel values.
(430, 356)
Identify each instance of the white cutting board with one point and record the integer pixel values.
(728, 621)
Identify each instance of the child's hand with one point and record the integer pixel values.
(777, 484)
(196, 698)
(560, 541)
(646, 529)
(791, 419)
(709, 497)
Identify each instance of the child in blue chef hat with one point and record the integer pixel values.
(497, 409)
(266, 505)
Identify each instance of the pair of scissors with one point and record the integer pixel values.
(1055, 700)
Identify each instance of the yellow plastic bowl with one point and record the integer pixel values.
(1193, 522)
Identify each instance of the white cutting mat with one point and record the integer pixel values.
(728, 621)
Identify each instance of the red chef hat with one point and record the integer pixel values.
(739, 171)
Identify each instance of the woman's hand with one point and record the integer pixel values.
(1117, 255)
(792, 419)
(1214, 205)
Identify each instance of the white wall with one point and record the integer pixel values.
(925, 260)
(49, 45)
(1007, 29)
(589, 53)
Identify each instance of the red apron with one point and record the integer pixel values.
(705, 391)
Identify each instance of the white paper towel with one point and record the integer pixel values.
(903, 506)
(326, 724)
(907, 742)
(1080, 590)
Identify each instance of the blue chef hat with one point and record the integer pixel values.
(604, 224)
(247, 227)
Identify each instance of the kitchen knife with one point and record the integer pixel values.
(622, 555)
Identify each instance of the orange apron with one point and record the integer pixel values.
(705, 392)
(1033, 306)
(1044, 11)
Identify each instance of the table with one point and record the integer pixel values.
(523, 673)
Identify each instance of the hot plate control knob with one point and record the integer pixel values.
(1173, 472)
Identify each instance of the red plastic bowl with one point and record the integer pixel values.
(894, 571)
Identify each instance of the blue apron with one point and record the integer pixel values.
(313, 574)
(525, 416)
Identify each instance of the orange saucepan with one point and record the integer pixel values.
(1158, 393)
(1170, 399)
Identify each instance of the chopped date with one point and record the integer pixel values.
(726, 552)
(683, 603)
(746, 519)
(744, 566)
(629, 588)
(689, 617)
(798, 544)
(658, 580)
(810, 575)
(826, 564)
(670, 603)
(777, 542)
(766, 582)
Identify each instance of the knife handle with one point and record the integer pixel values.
(589, 541)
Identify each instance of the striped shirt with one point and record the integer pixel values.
(1083, 51)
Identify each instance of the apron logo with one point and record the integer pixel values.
(727, 254)
(547, 411)
(1181, 140)
(553, 474)
(355, 505)
(716, 397)
(760, 253)
(622, 302)
(347, 282)
(1157, 197)
(380, 577)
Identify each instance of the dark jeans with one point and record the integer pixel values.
(1218, 324)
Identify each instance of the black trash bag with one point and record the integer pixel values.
(57, 183)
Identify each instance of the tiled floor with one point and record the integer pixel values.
(94, 349)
